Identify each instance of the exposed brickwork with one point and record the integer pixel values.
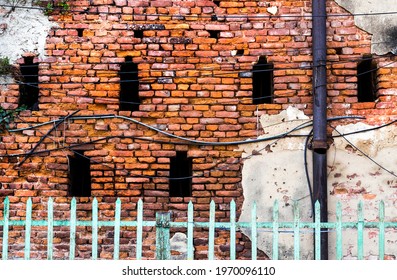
(191, 85)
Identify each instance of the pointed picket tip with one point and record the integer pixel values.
(6, 200)
(190, 208)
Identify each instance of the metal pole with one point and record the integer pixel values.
(319, 144)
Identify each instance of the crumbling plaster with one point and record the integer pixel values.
(382, 25)
(274, 170)
(23, 31)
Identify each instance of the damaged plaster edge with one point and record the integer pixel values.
(24, 31)
(367, 138)
(291, 121)
(374, 17)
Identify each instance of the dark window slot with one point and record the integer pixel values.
(366, 80)
(129, 86)
(79, 175)
(29, 86)
(180, 182)
(262, 82)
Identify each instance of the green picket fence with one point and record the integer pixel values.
(163, 224)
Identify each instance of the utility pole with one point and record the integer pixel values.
(319, 143)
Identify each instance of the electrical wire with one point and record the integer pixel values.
(227, 73)
(211, 16)
(363, 153)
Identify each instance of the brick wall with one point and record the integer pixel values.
(190, 85)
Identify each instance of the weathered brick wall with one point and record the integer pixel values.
(191, 85)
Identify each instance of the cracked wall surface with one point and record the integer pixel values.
(275, 170)
(383, 27)
(23, 31)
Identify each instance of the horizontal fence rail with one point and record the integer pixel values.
(163, 223)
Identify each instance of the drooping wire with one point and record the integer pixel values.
(184, 16)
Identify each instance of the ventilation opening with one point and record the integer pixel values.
(129, 86)
(366, 80)
(80, 32)
(262, 82)
(180, 175)
(338, 51)
(29, 87)
(138, 34)
(214, 33)
(240, 52)
(79, 175)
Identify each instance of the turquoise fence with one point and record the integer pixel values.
(163, 223)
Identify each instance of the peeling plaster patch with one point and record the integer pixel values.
(178, 246)
(275, 170)
(25, 31)
(382, 27)
(277, 174)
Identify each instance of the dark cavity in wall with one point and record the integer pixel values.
(129, 86)
(366, 80)
(262, 82)
(180, 183)
(79, 175)
(80, 32)
(214, 33)
(29, 86)
(138, 34)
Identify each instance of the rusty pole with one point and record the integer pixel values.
(319, 143)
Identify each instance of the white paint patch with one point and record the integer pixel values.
(24, 31)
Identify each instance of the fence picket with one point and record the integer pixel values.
(275, 230)
(211, 231)
(381, 227)
(94, 229)
(28, 227)
(72, 244)
(232, 230)
(317, 230)
(190, 248)
(296, 231)
(139, 230)
(338, 231)
(163, 236)
(117, 215)
(253, 232)
(6, 215)
(360, 231)
(50, 228)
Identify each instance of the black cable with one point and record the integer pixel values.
(363, 153)
(309, 185)
(61, 120)
(216, 75)
(184, 16)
